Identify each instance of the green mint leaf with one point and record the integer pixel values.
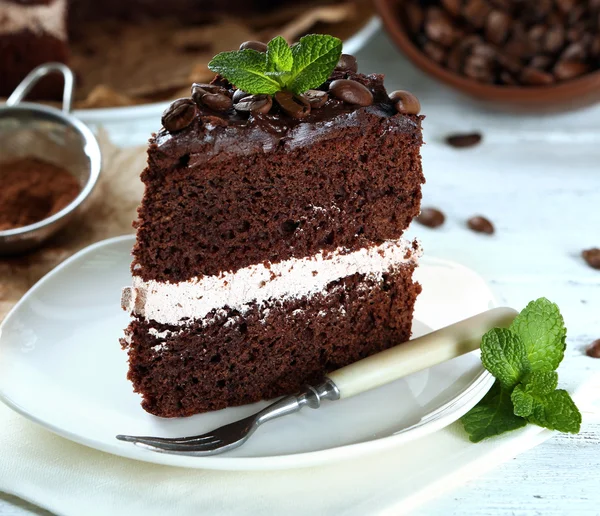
(522, 401)
(540, 383)
(245, 69)
(279, 56)
(555, 411)
(493, 415)
(315, 57)
(542, 329)
(504, 355)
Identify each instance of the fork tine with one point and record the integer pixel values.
(180, 440)
(169, 446)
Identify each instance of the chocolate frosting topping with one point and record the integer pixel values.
(213, 134)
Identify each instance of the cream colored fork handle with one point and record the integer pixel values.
(418, 354)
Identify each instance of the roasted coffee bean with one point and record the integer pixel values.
(351, 92)
(497, 26)
(574, 52)
(535, 77)
(254, 104)
(439, 27)
(476, 12)
(541, 62)
(259, 46)
(239, 95)
(463, 140)
(317, 98)
(554, 39)
(479, 67)
(347, 62)
(454, 7)
(179, 115)
(435, 51)
(293, 105)
(507, 78)
(213, 97)
(480, 224)
(405, 102)
(414, 17)
(594, 349)
(431, 217)
(510, 63)
(592, 257)
(566, 6)
(565, 70)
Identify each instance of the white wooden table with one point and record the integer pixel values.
(538, 179)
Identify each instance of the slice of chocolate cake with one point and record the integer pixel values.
(269, 246)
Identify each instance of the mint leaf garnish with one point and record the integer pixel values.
(247, 69)
(503, 354)
(315, 57)
(279, 56)
(299, 68)
(542, 329)
(523, 359)
(556, 411)
(493, 415)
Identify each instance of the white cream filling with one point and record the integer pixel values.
(177, 303)
(39, 19)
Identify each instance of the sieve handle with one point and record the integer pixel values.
(36, 74)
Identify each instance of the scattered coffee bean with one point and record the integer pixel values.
(254, 104)
(317, 98)
(480, 224)
(259, 46)
(296, 106)
(351, 92)
(347, 62)
(594, 349)
(213, 97)
(431, 217)
(179, 115)
(405, 102)
(512, 42)
(463, 140)
(239, 95)
(592, 257)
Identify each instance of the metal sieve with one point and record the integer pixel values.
(33, 130)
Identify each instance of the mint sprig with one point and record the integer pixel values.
(299, 68)
(523, 359)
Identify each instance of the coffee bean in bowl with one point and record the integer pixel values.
(533, 55)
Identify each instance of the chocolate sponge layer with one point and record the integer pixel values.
(355, 185)
(230, 358)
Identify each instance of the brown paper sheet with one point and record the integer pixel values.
(110, 211)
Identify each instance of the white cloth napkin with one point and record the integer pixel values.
(70, 479)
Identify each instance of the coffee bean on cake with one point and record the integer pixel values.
(316, 98)
(507, 42)
(405, 102)
(254, 104)
(296, 106)
(179, 115)
(211, 96)
(431, 217)
(480, 224)
(347, 62)
(351, 92)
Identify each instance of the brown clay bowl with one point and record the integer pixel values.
(562, 96)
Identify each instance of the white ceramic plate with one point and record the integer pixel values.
(61, 366)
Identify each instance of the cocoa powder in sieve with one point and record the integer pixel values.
(32, 190)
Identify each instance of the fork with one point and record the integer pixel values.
(371, 372)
